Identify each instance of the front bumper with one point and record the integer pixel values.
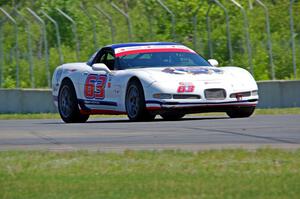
(198, 107)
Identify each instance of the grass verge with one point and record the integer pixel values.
(265, 173)
(275, 111)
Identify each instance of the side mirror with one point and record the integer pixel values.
(213, 62)
(100, 67)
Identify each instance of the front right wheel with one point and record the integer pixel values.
(240, 112)
(135, 102)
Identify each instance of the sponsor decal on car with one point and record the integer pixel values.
(192, 70)
(185, 87)
(113, 92)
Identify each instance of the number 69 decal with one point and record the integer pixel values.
(95, 86)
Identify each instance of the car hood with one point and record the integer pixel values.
(234, 77)
(186, 74)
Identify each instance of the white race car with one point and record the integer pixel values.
(143, 80)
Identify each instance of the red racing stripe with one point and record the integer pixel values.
(130, 52)
(155, 108)
(96, 111)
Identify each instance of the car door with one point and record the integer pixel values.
(94, 85)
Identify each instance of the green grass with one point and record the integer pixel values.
(275, 111)
(29, 116)
(265, 173)
(278, 111)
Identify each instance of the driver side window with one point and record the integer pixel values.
(103, 58)
(108, 59)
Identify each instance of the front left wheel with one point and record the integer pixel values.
(241, 112)
(172, 115)
(68, 104)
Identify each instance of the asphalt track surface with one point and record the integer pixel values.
(118, 134)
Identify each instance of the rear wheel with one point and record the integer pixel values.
(241, 112)
(172, 115)
(135, 102)
(68, 104)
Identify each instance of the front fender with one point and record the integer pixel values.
(242, 78)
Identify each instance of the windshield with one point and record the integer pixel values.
(160, 59)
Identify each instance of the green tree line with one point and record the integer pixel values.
(149, 21)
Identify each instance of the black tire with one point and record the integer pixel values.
(241, 112)
(68, 104)
(172, 115)
(135, 102)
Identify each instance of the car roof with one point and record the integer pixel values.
(114, 46)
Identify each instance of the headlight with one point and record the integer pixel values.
(254, 93)
(244, 94)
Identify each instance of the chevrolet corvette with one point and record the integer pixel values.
(143, 80)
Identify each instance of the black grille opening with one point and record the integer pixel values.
(215, 94)
(186, 96)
